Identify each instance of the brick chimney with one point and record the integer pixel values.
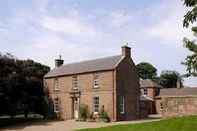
(179, 84)
(126, 51)
(59, 62)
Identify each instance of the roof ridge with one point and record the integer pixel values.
(99, 64)
(91, 60)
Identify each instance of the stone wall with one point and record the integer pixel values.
(177, 106)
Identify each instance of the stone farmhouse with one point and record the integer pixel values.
(109, 83)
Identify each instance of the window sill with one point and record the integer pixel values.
(96, 113)
(75, 89)
(95, 87)
(122, 113)
(55, 91)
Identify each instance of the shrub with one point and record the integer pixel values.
(103, 115)
(91, 116)
(83, 112)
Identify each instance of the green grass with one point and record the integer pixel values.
(172, 124)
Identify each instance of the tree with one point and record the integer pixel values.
(190, 18)
(146, 70)
(169, 79)
(21, 86)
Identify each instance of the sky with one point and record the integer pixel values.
(87, 29)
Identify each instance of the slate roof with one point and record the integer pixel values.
(102, 64)
(145, 98)
(149, 83)
(178, 92)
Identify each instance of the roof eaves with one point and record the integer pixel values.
(78, 73)
(116, 65)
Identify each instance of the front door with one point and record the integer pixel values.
(76, 108)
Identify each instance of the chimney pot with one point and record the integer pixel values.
(126, 51)
(59, 62)
(178, 84)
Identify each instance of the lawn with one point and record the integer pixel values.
(171, 124)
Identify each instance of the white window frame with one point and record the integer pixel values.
(56, 103)
(96, 80)
(96, 104)
(75, 84)
(56, 84)
(122, 105)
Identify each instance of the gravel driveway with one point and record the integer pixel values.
(66, 125)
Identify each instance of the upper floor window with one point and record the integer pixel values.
(75, 82)
(122, 104)
(56, 84)
(145, 92)
(96, 104)
(96, 80)
(56, 104)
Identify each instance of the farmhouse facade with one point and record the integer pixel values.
(109, 83)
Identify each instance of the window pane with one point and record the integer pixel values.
(96, 80)
(122, 104)
(56, 105)
(75, 82)
(145, 92)
(96, 104)
(56, 85)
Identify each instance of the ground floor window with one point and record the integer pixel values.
(56, 104)
(161, 106)
(122, 104)
(96, 104)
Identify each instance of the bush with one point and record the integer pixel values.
(103, 115)
(83, 112)
(91, 116)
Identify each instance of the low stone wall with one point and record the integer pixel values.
(177, 106)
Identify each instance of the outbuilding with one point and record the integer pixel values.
(177, 102)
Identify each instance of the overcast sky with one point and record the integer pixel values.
(87, 29)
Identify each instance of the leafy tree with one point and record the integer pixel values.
(146, 70)
(21, 86)
(169, 79)
(190, 18)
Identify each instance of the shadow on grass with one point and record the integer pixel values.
(21, 123)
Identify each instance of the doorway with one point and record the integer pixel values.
(75, 108)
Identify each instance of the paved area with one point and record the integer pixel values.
(66, 125)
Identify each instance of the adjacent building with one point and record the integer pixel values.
(109, 83)
(149, 90)
(177, 102)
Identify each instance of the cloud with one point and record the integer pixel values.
(120, 18)
(68, 26)
(53, 45)
(80, 35)
(169, 28)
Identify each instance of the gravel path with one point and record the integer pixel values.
(66, 125)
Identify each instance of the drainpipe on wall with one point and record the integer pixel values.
(113, 95)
